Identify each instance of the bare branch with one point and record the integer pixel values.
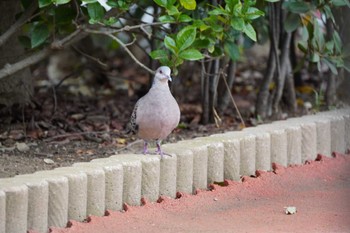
(22, 20)
(125, 46)
(10, 69)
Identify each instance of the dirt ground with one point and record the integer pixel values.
(319, 190)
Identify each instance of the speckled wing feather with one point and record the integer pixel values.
(132, 125)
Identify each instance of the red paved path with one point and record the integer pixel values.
(320, 191)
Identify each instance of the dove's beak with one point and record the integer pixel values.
(170, 79)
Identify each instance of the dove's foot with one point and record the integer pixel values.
(145, 148)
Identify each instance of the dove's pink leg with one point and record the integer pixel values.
(159, 150)
(145, 147)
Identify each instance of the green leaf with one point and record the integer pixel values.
(162, 3)
(218, 11)
(166, 19)
(191, 55)
(238, 24)
(341, 3)
(315, 57)
(184, 18)
(253, 13)
(39, 35)
(250, 32)
(292, 22)
(96, 11)
(298, 7)
(44, 3)
(302, 47)
(232, 50)
(159, 54)
(185, 37)
(331, 66)
(170, 44)
(60, 2)
(337, 42)
(172, 10)
(188, 4)
(201, 43)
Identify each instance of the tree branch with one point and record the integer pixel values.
(22, 20)
(125, 46)
(10, 69)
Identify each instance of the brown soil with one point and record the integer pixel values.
(320, 191)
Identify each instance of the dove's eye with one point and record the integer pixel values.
(161, 71)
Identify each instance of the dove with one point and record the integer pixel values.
(157, 113)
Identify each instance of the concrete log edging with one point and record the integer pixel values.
(52, 198)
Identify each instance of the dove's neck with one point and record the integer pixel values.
(160, 85)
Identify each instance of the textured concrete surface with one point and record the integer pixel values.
(2, 211)
(38, 200)
(58, 197)
(132, 173)
(200, 162)
(96, 188)
(184, 169)
(113, 182)
(262, 148)
(279, 143)
(215, 172)
(16, 194)
(247, 151)
(150, 174)
(232, 155)
(77, 192)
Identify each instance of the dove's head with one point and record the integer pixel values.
(162, 75)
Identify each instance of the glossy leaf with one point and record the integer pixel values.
(170, 44)
(188, 4)
(39, 35)
(238, 24)
(95, 11)
(44, 3)
(185, 37)
(250, 32)
(159, 54)
(292, 22)
(184, 18)
(60, 2)
(232, 50)
(191, 55)
(298, 7)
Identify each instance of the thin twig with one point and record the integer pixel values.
(108, 33)
(233, 101)
(97, 60)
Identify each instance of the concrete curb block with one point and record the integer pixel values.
(113, 183)
(232, 155)
(200, 162)
(16, 205)
(215, 159)
(58, 197)
(96, 188)
(51, 198)
(184, 167)
(38, 199)
(262, 148)
(2, 211)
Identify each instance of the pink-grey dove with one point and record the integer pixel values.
(157, 113)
